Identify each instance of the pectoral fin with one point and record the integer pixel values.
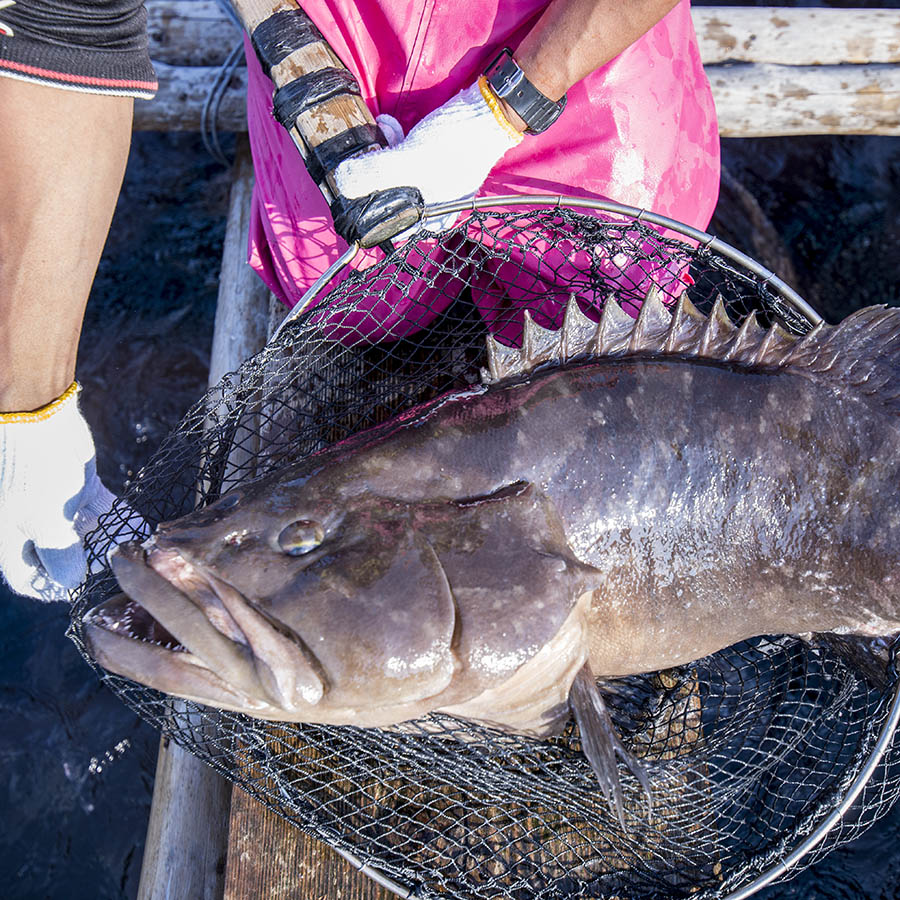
(601, 744)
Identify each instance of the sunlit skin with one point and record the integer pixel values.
(63, 158)
(572, 38)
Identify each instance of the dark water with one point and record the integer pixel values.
(77, 765)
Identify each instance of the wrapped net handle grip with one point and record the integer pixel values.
(317, 100)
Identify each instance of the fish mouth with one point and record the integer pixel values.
(186, 632)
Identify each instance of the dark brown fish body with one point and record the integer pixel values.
(636, 511)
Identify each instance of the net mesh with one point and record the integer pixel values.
(747, 751)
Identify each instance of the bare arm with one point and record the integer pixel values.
(574, 37)
(64, 155)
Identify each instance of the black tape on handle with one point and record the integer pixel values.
(378, 217)
(309, 91)
(324, 158)
(371, 220)
(277, 37)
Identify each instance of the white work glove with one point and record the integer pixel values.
(50, 497)
(447, 155)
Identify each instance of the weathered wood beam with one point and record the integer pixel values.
(198, 33)
(178, 105)
(752, 99)
(774, 71)
(189, 32)
(797, 37)
(187, 836)
(242, 310)
(763, 100)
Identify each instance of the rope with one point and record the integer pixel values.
(209, 117)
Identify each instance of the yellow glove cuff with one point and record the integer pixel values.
(491, 99)
(44, 412)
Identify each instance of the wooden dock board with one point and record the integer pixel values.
(270, 859)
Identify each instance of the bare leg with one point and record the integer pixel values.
(63, 157)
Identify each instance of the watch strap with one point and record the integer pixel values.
(509, 83)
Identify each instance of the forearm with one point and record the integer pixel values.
(64, 156)
(574, 37)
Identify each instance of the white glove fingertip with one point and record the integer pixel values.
(25, 576)
(95, 503)
(390, 128)
(66, 567)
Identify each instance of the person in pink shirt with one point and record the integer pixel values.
(639, 125)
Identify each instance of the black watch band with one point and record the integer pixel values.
(509, 83)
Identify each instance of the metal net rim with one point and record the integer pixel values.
(708, 241)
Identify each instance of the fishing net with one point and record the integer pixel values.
(748, 751)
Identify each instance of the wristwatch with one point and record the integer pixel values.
(509, 83)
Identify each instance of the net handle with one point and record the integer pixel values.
(317, 99)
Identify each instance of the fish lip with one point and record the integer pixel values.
(179, 570)
(179, 673)
(174, 610)
(285, 669)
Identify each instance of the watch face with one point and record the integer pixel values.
(497, 63)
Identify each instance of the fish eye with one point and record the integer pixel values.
(300, 537)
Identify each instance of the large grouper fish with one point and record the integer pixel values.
(616, 498)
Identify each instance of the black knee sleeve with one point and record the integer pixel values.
(98, 46)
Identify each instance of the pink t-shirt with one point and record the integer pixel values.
(640, 130)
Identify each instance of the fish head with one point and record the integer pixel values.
(283, 603)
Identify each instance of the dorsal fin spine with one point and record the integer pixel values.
(717, 332)
(614, 332)
(652, 324)
(674, 326)
(745, 341)
(539, 345)
(800, 347)
(578, 331)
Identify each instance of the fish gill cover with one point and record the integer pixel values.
(747, 751)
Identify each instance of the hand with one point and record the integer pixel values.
(447, 155)
(50, 497)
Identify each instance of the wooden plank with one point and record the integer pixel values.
(184, 853)
(242, 309)
(178, 105)
(761, 100)
(198, 33)
(797, 37)
(189, 32)
(752, 100)
(272, 859)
